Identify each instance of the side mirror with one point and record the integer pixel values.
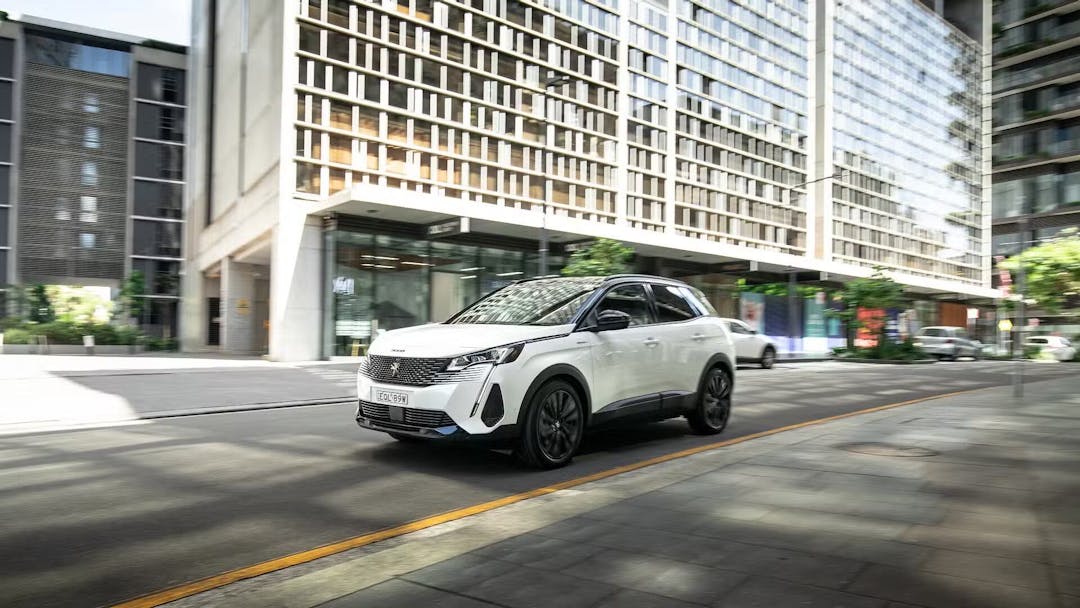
(608, 320)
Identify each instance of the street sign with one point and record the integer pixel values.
(1005, 325)
(448, 228)
(737, 266)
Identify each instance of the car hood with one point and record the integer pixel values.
(439, 340)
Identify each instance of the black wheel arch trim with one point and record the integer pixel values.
(559, 369)
(723, 361)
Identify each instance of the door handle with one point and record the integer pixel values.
(698, 337)
(651, 341)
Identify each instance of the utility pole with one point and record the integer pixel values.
(555, 81)
(1021, 322)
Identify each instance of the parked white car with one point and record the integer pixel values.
(750, 346)
(1056, 346)
(947, 342)
(536, 363)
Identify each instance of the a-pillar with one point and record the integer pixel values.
(295, 288)
(237, 307)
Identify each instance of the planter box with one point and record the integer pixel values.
(68, 349)
(886, 361)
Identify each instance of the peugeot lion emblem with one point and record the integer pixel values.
(394, 367)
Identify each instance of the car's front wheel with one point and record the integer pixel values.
(714, 404)
(553, 427)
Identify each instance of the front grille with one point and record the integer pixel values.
(414, 371)
(414, 417)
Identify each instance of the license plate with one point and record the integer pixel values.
(379, 395)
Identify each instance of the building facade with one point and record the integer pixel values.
(1036, 122)
(91, 162)
(363, 166)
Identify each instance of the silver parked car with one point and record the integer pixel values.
(947, 342)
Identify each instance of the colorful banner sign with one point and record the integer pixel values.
(752, 310)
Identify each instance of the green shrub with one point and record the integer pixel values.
(60, 332)
(160, 344)
(16, 335)
(1032, 352)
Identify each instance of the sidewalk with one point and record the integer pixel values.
(46, 392)
(987, 517)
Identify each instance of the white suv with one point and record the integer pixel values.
(535, 363)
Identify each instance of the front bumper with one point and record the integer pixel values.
(445, 411)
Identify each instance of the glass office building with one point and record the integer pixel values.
(907, 142)
(687, 129)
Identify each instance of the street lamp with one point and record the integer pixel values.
(550, 83)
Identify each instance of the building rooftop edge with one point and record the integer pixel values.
(64, 26)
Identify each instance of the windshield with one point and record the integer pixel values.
(540, 302)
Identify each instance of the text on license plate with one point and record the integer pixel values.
(390, 397)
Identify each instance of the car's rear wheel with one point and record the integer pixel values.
(714, 403)
(768, 357)
(553, 428)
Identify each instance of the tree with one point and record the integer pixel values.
(877, 293)
(1052, 272)
(132, 301)
(41, 308)
(602, 258)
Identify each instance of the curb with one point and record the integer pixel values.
(886, 361)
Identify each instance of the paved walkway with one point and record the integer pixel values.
(48, 392)
(987, 517)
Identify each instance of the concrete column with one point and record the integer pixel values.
(192, 317)
(237, 307)
(296, 287)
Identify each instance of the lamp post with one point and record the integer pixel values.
(1021, 287)
(550, 83)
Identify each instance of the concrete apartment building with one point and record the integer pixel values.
(1036, 154)
(91, 161)
(363, 166)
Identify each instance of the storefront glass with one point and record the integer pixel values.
(383, 282)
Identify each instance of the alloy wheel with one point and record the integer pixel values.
(559, 425)
(717, 399)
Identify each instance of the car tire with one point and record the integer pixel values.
(710, 415)
(554, 423)
(403, 438)
(768, 357)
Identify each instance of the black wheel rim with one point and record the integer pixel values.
(717, 399)
(558, 425)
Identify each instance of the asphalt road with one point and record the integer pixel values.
(92, 517)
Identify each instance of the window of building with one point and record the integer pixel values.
(89, 173)
(91, 104)
(158, 199)
(5, 142)
(70, 52)
(92, 138)
(88, 204)
(87, 240)
(161, 83)
(156, 238)
(5, 100)
(162, 161)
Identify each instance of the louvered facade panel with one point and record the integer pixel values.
(73, 208)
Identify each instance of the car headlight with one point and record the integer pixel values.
(495, 356)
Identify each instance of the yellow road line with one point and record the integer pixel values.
(188, 589)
